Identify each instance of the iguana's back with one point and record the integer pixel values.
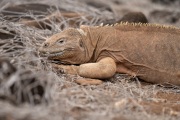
(151, 51)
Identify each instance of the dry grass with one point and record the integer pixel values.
(118, 98)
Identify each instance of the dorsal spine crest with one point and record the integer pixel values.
(139, 24)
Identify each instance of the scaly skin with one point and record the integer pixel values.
(147, 51)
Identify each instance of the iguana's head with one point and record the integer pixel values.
(66, 47)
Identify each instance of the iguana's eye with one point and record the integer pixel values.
(61, 41)
(80, 43)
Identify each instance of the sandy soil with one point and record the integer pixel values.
(119, 98)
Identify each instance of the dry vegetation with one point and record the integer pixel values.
(120, 98)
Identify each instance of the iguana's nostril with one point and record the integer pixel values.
(45, 44)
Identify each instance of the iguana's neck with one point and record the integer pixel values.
(94, 35)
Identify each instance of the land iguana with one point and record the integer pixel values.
(147, 51)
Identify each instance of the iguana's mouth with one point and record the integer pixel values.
(49, 55)
(60, 62)
(54, 53)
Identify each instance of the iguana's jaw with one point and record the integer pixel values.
(51, 55)
(64, 57)
(56, 55)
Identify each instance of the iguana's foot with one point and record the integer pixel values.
(88, 81)
(66, 69)
(122, 69)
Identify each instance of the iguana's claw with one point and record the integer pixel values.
(66, 69)
(62, 71)
(58, 68)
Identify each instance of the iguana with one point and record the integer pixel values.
(148, 51)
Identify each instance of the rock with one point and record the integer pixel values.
(135, 17)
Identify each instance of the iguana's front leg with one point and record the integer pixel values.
(71, 69)
(105, 68)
